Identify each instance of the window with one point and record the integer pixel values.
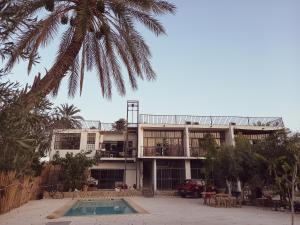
(91, 139)
(169, 174)
(67, 141)
(108, 179)
(196, 140)
(165, 143)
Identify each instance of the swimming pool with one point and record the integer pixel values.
(100, 207)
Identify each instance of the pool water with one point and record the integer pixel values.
(100, 207)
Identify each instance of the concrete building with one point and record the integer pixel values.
(157, 151)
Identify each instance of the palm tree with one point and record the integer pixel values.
(66, 117)
(97, 34)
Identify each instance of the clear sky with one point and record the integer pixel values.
(220, 57)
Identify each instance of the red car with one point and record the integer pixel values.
(191, 187)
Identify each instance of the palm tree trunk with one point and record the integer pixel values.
(42, 87)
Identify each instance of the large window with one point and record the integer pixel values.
(196, 141)
(67, 141)
(91, 139)
(170, 174)
(164, 143)
(116, 149)
(108, 179)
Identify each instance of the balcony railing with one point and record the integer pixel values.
(96, 124)
(211, 120)
(131, 153)
(197, 152)
(163, 151)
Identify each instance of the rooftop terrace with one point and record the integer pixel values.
(211, 120)
(192, 120)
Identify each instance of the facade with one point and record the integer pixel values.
(159, 151)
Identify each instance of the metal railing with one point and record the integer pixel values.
(210, 120)
(161, 151)
(96, 124)
(197, 152)
(115, 154)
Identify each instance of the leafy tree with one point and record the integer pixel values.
(66, 117)
(281, 155)
(120, 125)
(25, 135)
(211, 148)
(73, 169)
(97, 34)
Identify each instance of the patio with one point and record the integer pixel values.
(162, 210)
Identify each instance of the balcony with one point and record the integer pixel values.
(170, 151)
(117, 154)
(197, 152)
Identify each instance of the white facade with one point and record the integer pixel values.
(164, 160)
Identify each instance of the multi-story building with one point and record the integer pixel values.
(157, 151)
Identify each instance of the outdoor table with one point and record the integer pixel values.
(207, 196)
(223, 200)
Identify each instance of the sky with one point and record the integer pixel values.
(219, 57)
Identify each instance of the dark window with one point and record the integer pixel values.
(164, 143)
(197, 169)
(68, 141)
(108, 179)
(170, 174)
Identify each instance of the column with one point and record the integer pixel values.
(154, 173)
(188, 169)
(140, 142)
(83, 141)
(187, 142)
(97, 141)
(229, 135)
(52, 150)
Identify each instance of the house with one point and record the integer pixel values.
(157, 151)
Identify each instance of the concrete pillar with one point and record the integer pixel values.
(52, 150)
(97, 141)
(83, 141)
(188, 169)
(187, 142)
(140, 174)
(140, 141)
(229, 136)
(154, 173)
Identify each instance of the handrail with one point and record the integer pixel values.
(210, 120)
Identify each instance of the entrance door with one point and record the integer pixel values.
(147, 174)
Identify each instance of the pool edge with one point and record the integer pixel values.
(135, 206)
(62, 210)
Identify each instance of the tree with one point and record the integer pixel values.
(25, 136)
(8, 23)
(67, 118)
(73, 169)
(209, 145)
(98, 34)
(281, 153)
(120, 125)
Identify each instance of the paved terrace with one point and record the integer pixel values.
(162, 211)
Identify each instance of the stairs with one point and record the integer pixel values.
(148, 192)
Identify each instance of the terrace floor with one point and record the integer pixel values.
(162, 210)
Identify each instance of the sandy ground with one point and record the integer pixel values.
(162, 210)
